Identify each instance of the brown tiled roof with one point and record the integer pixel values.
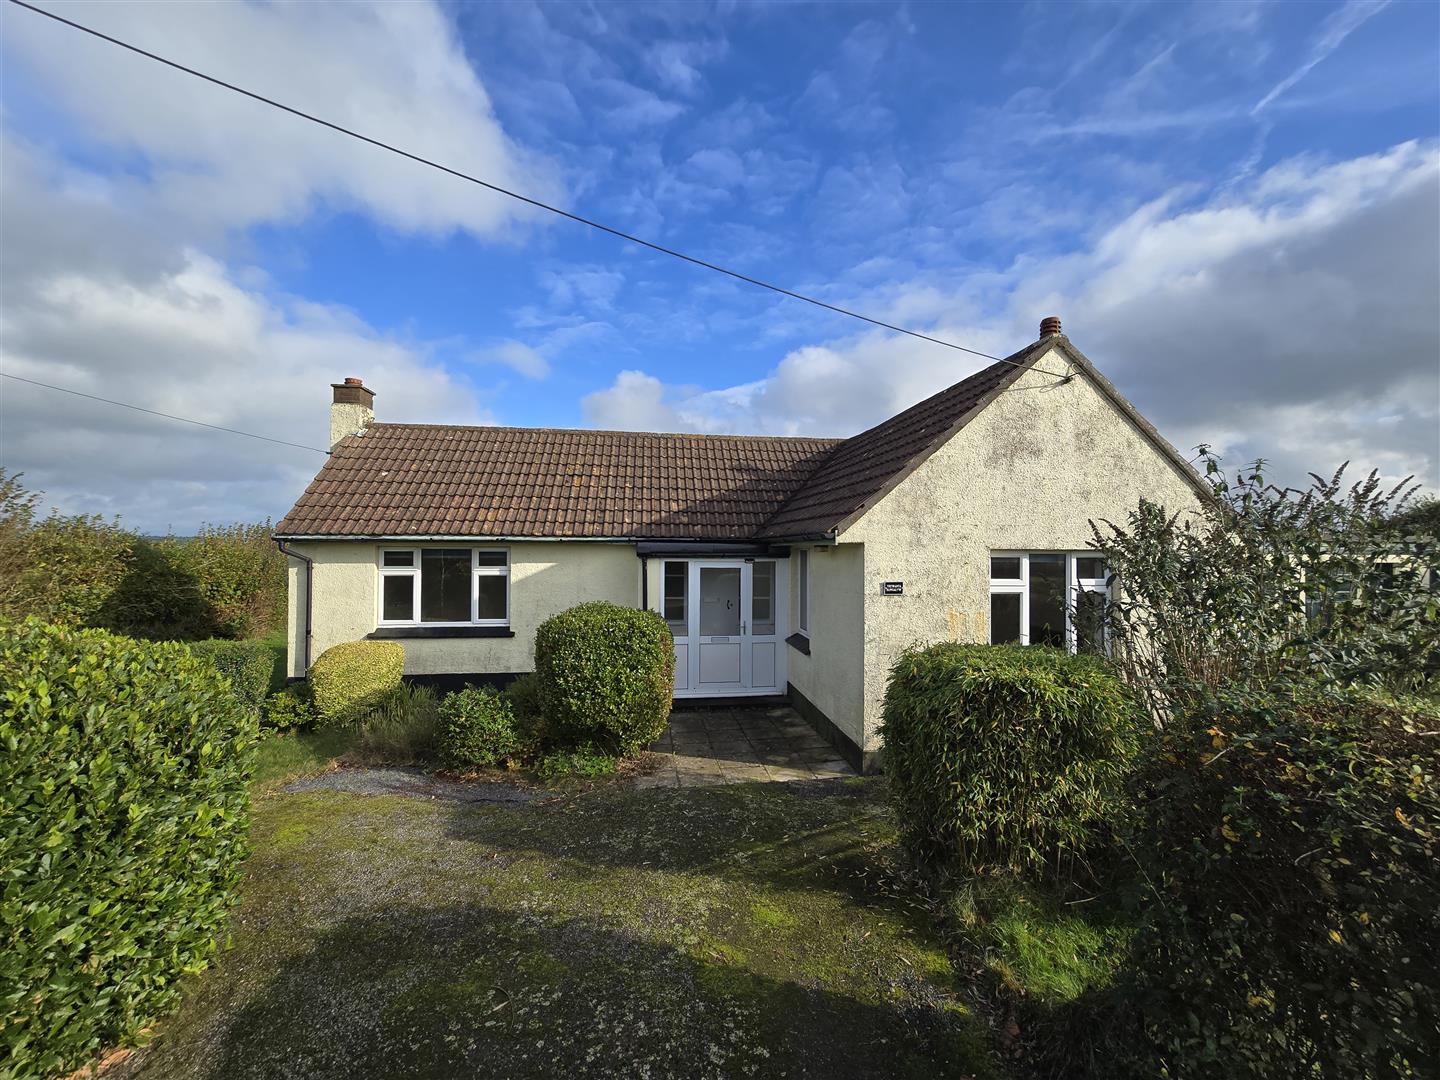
(864, 467)
(431, 480)
(434, 480)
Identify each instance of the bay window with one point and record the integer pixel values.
(455, 586)
(1049, 598)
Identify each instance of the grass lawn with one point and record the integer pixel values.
(302, 753)
(736, 931)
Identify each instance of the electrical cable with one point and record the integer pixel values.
(619, 233)
(167, 416)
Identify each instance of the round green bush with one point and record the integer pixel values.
(477, 727)
(1288, 854)
(350, 680)
(607, 675)
(124, 818)
(1003, 756)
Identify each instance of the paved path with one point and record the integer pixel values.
(733, 745)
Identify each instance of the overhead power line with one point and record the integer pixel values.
(166, 415)
(611, 230)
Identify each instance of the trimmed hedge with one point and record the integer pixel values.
(1002, 755)
(248, 665)
(607, 675)
(477, 727)
(350, 680)
(1289, 857)
(124, 816)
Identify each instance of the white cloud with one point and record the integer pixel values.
(197, 344)
(1292, 318)
(395, 72)
(517, 356)
(1339, 25)
(112, 277)
(636, 401)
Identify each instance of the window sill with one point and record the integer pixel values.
(386, 633)
(799, 642)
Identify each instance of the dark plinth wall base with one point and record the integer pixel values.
(448, 683)
(770, 701)
(862, 761)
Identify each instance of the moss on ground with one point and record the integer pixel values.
(753, 930)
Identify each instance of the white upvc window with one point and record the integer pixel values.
(802, 607)
(443, 586)
(1049, 598)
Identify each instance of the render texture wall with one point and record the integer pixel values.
(832, 676)
(545, 578)
(1026, 474)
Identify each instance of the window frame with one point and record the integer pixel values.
(684, 597)
(802, 603)
(413, 571)
(1074, 584)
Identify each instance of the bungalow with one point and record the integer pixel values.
(786, 567)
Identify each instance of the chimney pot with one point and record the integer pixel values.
(1050, 326)
(350, 380)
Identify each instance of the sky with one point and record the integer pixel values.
(1234, 207)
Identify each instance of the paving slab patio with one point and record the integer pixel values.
(703, 747)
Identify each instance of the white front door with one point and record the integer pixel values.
(728, 640)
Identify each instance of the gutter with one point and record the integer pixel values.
(309, 582)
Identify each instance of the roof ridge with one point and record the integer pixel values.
(837, 440)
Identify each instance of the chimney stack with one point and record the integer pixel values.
(351, 410)
(1050, 326)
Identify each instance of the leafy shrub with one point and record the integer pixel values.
(404, 726)
(607, 675)
(477, 727)
(524, 697)
(245, 664)
(229, 581)
(57, 568)
(240, 575)
(350, 680)
(289, 709)
(1265, 584)
(124, 813)
(1003, 755)
(584, 761)
(155, 597)
(1289, 849)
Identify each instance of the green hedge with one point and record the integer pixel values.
(1289, 889)
(1002, 755)
(248, 666)
(607, 675)
(124, 814)
(477, 727)
(350, 680)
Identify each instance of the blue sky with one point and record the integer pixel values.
(1232, 206)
